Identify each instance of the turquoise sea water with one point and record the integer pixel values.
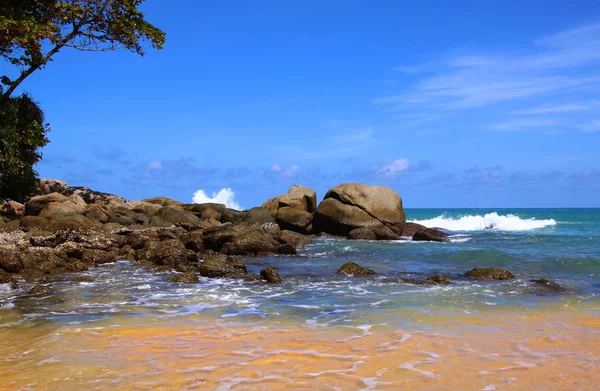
(558, 244)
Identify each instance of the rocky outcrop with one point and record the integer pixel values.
(354, 269)
(489, 273)
(353, 205)
(294, 209)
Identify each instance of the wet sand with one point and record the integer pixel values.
(501, 350)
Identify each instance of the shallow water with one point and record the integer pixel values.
(132, 329)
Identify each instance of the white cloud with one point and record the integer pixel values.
(592, 126)
(224, 196)
(155, 165)
(393, 169)
(526, 124)
(283, 172)
(560, 108)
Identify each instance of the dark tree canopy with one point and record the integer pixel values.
(32, 31)
(22, 134)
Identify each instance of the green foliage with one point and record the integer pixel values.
(32, 31)
(22, 134)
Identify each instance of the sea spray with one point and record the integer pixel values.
(489, 221)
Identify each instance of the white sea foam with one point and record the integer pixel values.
(492, 221)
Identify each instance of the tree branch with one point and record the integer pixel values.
(34, 67)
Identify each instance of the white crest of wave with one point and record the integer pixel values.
(492, 220)
(224, 196)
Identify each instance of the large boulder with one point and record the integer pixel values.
(293, 238)
(42, 259)
(72, 222)
(176, 216)
(34, 222)
(164, 252)
(240, 239)
(10, 210)
(354, 205)
(164, 201)
(36, 204)
(97, 213)
(10, 260)
(47, 186)
(293, 210)
(146, 208)
(250, 240)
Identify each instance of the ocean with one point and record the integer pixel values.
(129, 328)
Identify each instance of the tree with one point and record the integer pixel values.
(33, 31)
(22, 134)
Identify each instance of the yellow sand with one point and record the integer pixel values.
(494, 351)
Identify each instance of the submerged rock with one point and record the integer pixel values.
(489, 273)
(430, 235)
(354, 269)
(218, 266)
(438, 280)
(551, 285)
(187, 278)
(271, 275)
(40, 290)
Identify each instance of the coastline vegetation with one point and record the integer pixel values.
(31, 33)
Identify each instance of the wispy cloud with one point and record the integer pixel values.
(343, 141)
(393, 169)
(283, 172)
(552, 79)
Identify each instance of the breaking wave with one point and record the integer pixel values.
(492, 221)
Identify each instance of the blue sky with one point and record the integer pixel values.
(452, 104)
